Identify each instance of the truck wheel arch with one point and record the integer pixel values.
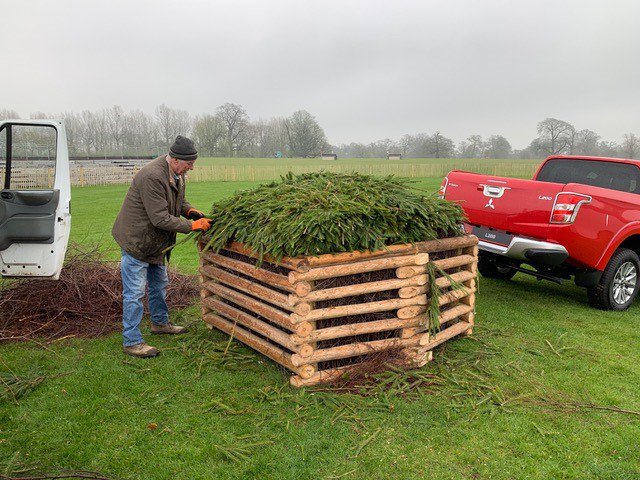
(629, 238)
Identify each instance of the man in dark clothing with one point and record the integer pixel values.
(150, 217)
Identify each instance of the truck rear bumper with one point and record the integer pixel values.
(528, 250)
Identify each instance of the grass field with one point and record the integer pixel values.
(538, 392)
(259, 169)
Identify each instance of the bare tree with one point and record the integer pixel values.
(472, 147)
(74, 127)
(555, 136)
(268, 137)
(405, 144)
(608, 149)
(306, 137)
(630, 146)
(498, 147)
(115, 126)
(140, 133)
(236, 121)
(586, 142)
(440, 146)
(6, 114)
(209, 132)
(171, 123)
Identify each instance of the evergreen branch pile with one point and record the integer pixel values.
(322, 212)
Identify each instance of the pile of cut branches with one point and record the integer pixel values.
(322, 212)
(85, 302)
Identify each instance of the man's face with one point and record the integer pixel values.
(181, 166)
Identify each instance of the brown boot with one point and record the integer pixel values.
(168, 328)
(141, 350)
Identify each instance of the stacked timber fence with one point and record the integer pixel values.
(321, 316)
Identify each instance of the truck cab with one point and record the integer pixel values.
(35, 200)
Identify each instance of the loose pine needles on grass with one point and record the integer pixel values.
(322, 212)
(14, 387)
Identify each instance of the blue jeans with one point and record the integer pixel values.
(135, 276)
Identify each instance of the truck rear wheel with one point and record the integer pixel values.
(490, 266)
(619, 285)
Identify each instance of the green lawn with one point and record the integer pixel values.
(513, 401)
(254, 169)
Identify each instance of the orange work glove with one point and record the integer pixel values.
(202, 224)
(193, 214)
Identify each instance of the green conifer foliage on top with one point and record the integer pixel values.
(322, 212)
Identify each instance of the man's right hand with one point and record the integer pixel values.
(202, 224)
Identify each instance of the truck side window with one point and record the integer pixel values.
(614, 176)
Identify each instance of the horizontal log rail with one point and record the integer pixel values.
(454, 312)
(274, 353)
(358, 309)
(458, 277)
(267, 311)
(412, 311)
(455, 295)
(353, 329)
(322, 376)
(365, 266)
(299, 264)
(358, 289)
(347, 257)
(252, 323)
(448, 333)
(357, 349)
(408, 272)
(247, 286)
(452, 262)
(444, 244)
(441, 282)
(275, 279)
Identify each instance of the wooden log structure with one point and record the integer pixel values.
(313, 316)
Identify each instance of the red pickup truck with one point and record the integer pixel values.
(579, 217)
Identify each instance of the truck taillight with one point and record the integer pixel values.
(566, 207)
(443, 188)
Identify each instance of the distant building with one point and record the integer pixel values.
(394, 156)
(329, 156)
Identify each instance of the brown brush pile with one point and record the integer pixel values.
(85, 302)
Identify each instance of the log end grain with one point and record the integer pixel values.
(303, 309)
(303, 329)
(302, 289)
(407, 272)
(306, 351)
(408, 292)
(307, 371)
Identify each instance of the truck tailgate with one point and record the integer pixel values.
(521, 207)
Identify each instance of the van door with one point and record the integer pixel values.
(35, 200)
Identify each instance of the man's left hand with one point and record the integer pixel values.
(193, 214)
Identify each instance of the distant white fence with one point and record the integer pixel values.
(233, 173)
(40, 177)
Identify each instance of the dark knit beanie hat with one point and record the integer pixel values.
(183, 149)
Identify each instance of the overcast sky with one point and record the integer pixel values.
(366, 69)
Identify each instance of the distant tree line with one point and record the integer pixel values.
(230, 132)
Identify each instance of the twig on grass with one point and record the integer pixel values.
(241, 448)
(366, 442)
(576, 406)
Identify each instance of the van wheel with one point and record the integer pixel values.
(618, 286)
(490, 266)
